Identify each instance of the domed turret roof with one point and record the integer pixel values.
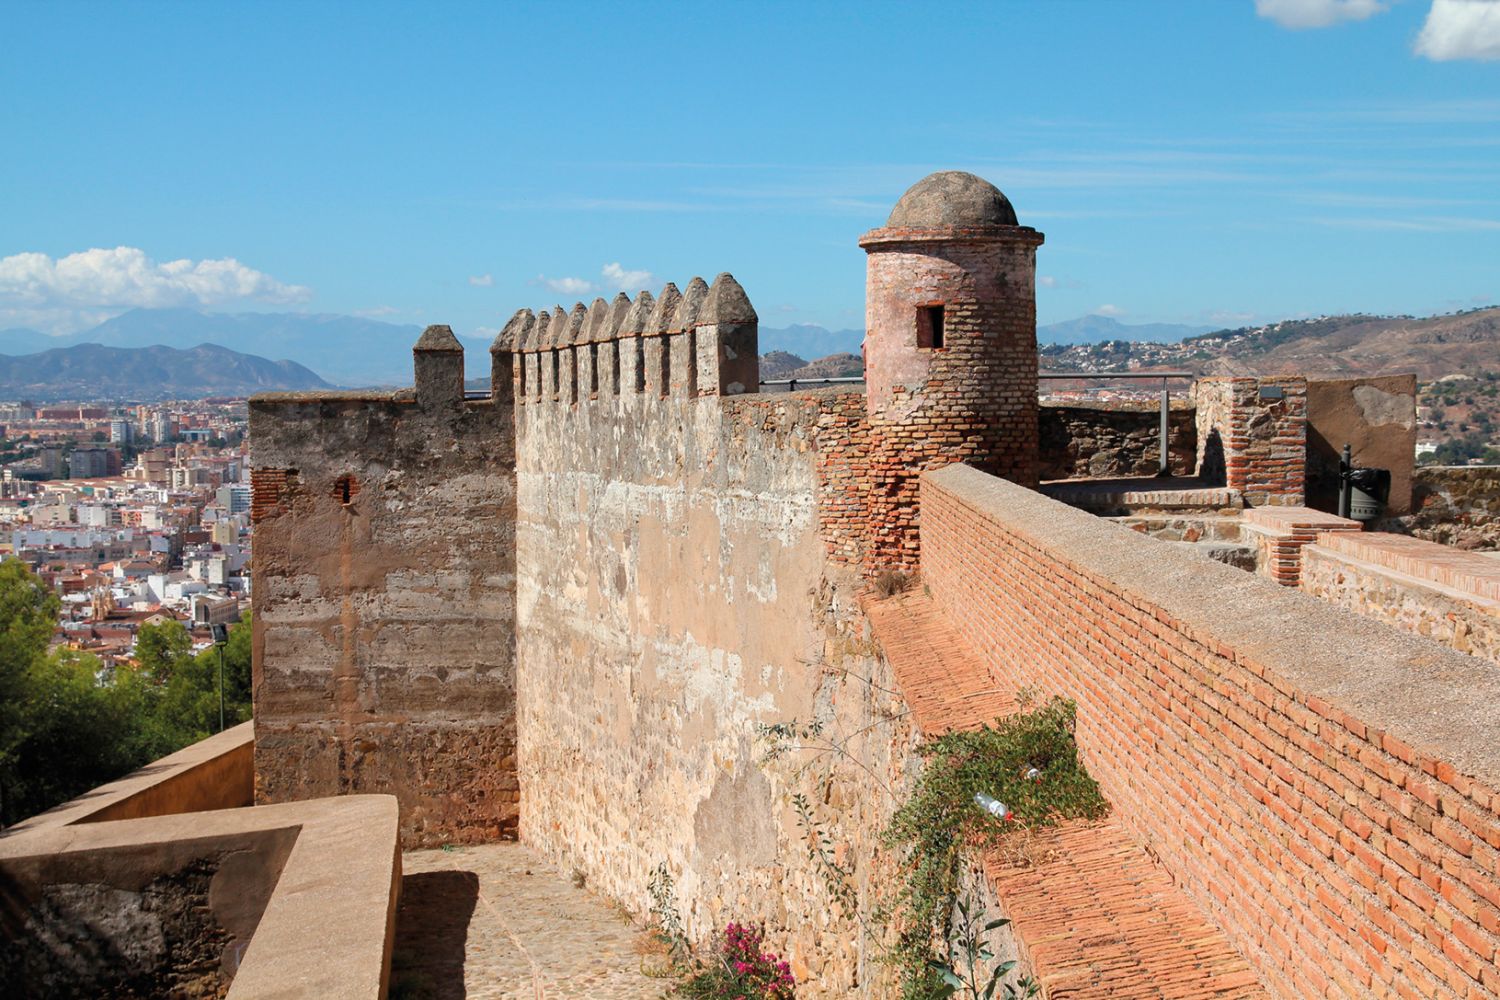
(952, 198)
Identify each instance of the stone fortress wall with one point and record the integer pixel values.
(569, 610)
(384, 635)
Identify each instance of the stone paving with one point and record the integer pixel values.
(497, 922)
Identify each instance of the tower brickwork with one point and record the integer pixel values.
(950, 348)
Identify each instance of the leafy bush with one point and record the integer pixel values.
(1029, 762)
(68, 725)
(740, 969)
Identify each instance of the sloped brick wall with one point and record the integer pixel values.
(1323, 785)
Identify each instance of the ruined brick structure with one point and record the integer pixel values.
(1252, 436)
(569, 610)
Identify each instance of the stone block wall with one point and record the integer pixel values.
(1456, 505)
(1324, 786)
(1252, 436)
(384, 639)
(1432, 590)
(675, 596)
(687, 555)
(1115, 440)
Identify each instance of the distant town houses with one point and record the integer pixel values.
(133, 514)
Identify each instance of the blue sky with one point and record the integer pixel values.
(1201, 161)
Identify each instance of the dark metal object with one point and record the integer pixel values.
(1363, 493)
(221, 639)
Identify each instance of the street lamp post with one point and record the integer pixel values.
(221, 639)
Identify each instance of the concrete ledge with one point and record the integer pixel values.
(216, 773)
(1132, 495)
(325, 932)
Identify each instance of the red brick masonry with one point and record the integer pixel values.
(1092, 914)
(1322, 785)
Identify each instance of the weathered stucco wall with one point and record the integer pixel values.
(1375, 416)
(1116, 439)
(384, 602)
(674, 596)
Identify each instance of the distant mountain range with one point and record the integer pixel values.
(808, 341)
(92, 371)
(347, 350)
(354, 351)
(1098, 329)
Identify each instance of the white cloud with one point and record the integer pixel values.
(615, 279)
(618, 278)
(566, 286)
(80, 288)
(1109, 310)
(1461, 29)
(1300, 14)
(481, 280)
(1046, 281)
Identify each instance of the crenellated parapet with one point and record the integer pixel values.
(703, 341)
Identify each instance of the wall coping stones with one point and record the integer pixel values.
(438, 338)
(1467, 573)
(1445, 704)
(216, 773)
(343, 874)
(1295, 518)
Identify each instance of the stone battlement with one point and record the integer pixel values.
(702, 342)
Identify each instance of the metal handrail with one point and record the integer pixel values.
(792, 383)
(1163, 467)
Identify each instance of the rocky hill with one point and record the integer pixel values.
(1456, 359)
(93, 371)
(781, 364)
(1434, 347)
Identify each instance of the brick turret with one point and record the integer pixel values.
(950, 348)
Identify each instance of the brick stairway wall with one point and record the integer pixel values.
(1322, 785)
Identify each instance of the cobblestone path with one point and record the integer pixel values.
(497, 922)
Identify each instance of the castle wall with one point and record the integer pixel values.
(1114, 440)
(686, 571)
(384, 602)
(1323, 785)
